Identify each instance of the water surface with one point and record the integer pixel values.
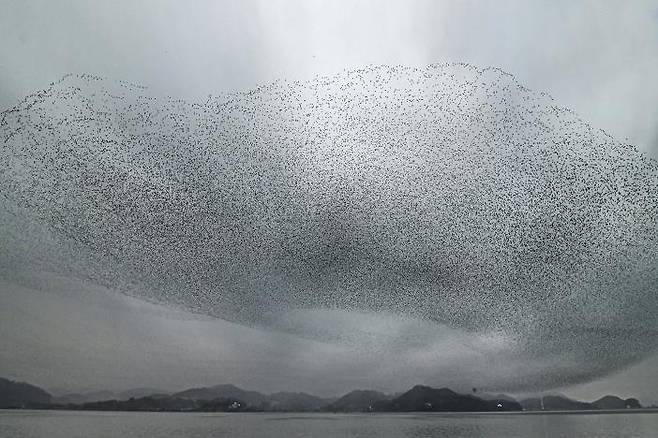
(68, 424)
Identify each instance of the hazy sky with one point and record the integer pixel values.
(599, 58)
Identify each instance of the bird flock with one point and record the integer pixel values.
(451, 194)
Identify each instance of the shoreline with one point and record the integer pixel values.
(399, 413)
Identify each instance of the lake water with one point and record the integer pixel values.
(67, 424)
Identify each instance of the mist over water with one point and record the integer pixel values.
(447, 216)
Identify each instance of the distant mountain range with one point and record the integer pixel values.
(561, 403)
(227, 398)
(358, 401)
(614, 402)
(280, 401)
(94, 396)
(425, 398)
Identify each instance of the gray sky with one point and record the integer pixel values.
(598, 58)
(73, 337)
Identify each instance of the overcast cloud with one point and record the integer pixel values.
(598, 58)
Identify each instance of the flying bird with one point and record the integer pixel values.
(451, 195)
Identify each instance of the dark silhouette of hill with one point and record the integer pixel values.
(295, 401)
(251, 398)
(357, 401)
(256, 401)
(425, 398)
(488, 396)
(95, 396)
(614, 402)
(161, 403)
(221, 405)
(140, 392)
(562, 403)
(554, 403)
(147, 404)
(230, 398)
(21, 395)
(84, 397)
